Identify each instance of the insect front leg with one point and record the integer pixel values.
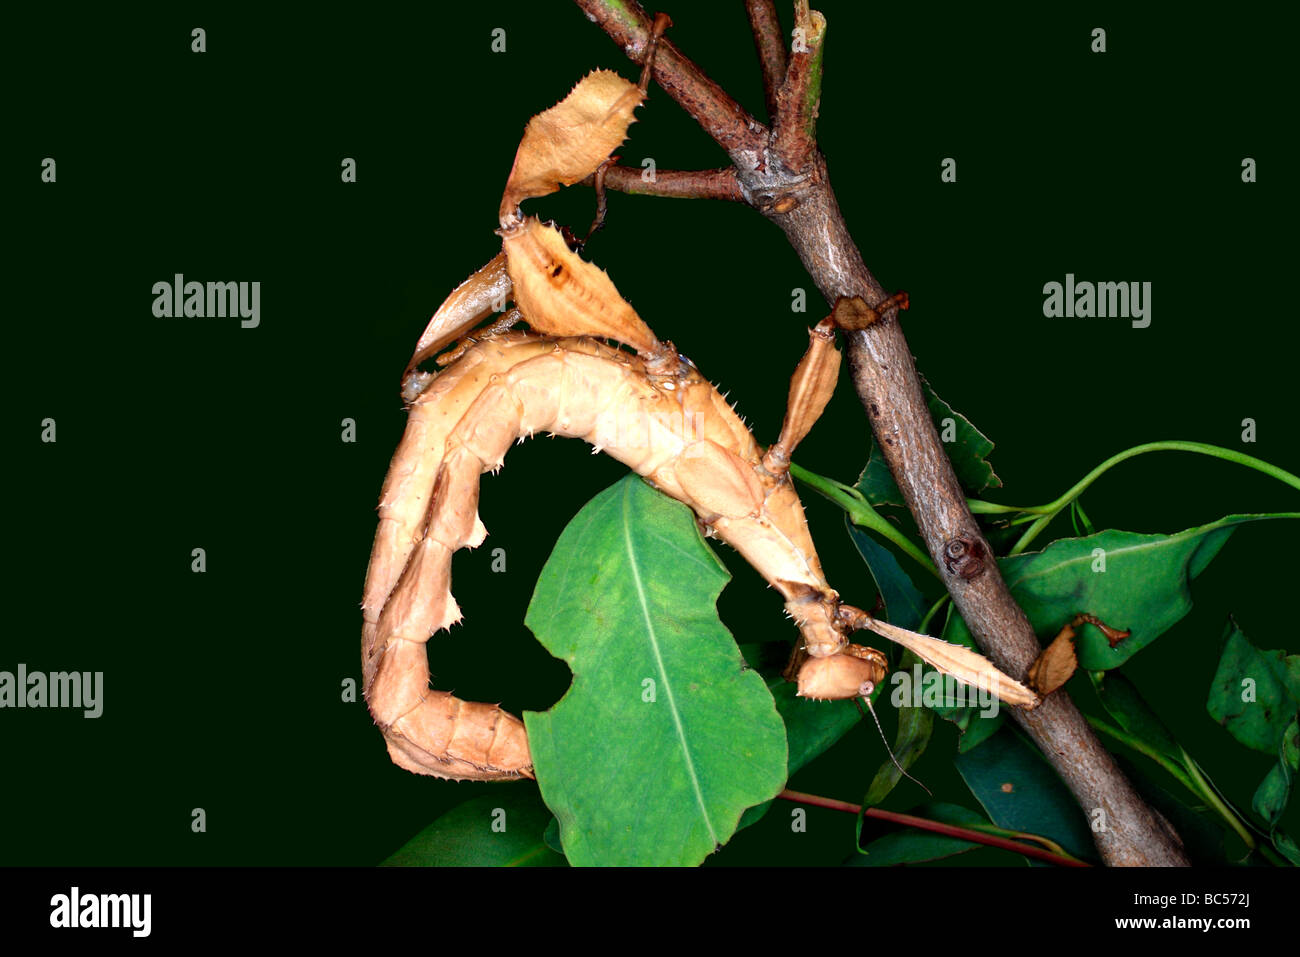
(811, 389)
(470, 303)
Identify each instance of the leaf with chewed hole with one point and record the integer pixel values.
(665, 736)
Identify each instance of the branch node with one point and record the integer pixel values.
(964, 558)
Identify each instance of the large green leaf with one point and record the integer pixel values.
(1145, 585)
(502, 829)
(1021, 792)
(968, 452)
(665, 737)
(1254, 693)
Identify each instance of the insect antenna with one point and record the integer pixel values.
(867, 690)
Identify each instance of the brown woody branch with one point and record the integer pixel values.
(673, 183)
(794, 129)
(769, 43)
(783, 175)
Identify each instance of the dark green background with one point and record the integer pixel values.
(222, 689)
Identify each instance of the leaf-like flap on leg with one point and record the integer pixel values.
(569, 141)
(561, 295)
(960, 662)
(811, 389)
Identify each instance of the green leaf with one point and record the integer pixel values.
(552, 836)
(968, 452)
(1274, 793)
(905, 608)
(1254, 693)
(1021, 792)
(1145, 586)
(904, 605)
(811, 727)
(912, 846)
(977, 728)
(1271, 798)
(1287, 847)
(665, 737)
(915, 726)
(1127, 706)
(502, 829)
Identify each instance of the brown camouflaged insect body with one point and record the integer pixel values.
(676, 430)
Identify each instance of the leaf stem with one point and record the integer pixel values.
(1207, 791)
(934, 610)
(862, 514)
(949, 830)
(1049, 511)
(1188, 773)
(1083, 516)
(1140, 746)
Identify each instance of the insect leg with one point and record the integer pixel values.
(811, 388)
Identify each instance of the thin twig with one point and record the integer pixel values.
(673, 183)
(935, 827)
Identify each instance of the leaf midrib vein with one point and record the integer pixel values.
(663, 674)
(1176, 538)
